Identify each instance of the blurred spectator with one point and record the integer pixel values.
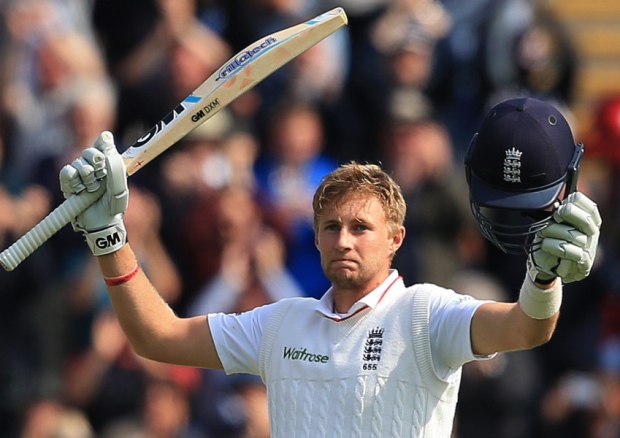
(45, 55)
(418, 153)
(121, 26)
(166, 412)
(529, 52)
(241, 260)
(458, 88)
(406, 33)
(603, 136)
(350, 122)
(111, 384)
(143, 221)
(602, 162)
(229, 242)
(174, 57)
(496, 50)
(50, 418)
(600, 166)
(91, 109)
(22, 211)
(213, 156)
(318, 75)
(572, 408)
(288, 170)
(250, 266)
(29, 311)
(391, 49)
(607, 418)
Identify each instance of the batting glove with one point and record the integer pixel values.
(567, 248)
(99, 170)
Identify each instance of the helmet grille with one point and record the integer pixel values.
(514, 231)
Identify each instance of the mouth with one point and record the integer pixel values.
(344, 262)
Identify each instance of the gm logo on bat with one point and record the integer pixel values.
(206, 110)
(244, 57)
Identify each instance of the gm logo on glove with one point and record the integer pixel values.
(109, 241)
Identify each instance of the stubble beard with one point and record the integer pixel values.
(345, 279)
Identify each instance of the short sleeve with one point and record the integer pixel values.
(450, 316)
(237, 338)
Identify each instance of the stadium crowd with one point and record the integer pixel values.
(223, 222)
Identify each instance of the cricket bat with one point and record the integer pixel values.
(238, 75)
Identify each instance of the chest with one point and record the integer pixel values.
(372, 343)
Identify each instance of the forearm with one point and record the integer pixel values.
(150, 325)
(537, 311)
(141, 311)
(530, 322)
(499, 327)
(535, 332)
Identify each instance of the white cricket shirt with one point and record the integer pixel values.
(348, 374)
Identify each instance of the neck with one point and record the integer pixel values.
(345, 298)
(347, 291)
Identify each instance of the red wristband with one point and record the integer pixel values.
(117, 281)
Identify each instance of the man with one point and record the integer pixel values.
(372, 357)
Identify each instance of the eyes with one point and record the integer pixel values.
(337, 227)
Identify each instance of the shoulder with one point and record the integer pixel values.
(252, 324)
(440, 298)
(283, 305)
(434, 291)
(298, 305)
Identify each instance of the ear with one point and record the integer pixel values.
(397, 239)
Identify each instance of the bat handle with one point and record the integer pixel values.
(46, 228)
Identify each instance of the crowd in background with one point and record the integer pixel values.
(223, 222)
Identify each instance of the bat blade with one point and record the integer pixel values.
(238, 75)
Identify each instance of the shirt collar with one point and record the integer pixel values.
(325, 305)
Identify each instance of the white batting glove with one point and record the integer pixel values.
(567, 248)
(100, 169)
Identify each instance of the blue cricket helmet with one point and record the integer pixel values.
(518, 165)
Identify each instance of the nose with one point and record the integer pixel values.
(344, 240)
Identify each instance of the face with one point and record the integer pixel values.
(355, 244)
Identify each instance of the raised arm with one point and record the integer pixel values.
(498, 327)
(151, 326)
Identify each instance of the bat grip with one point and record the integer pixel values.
(46, 228)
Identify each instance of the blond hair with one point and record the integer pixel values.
(363, 179)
